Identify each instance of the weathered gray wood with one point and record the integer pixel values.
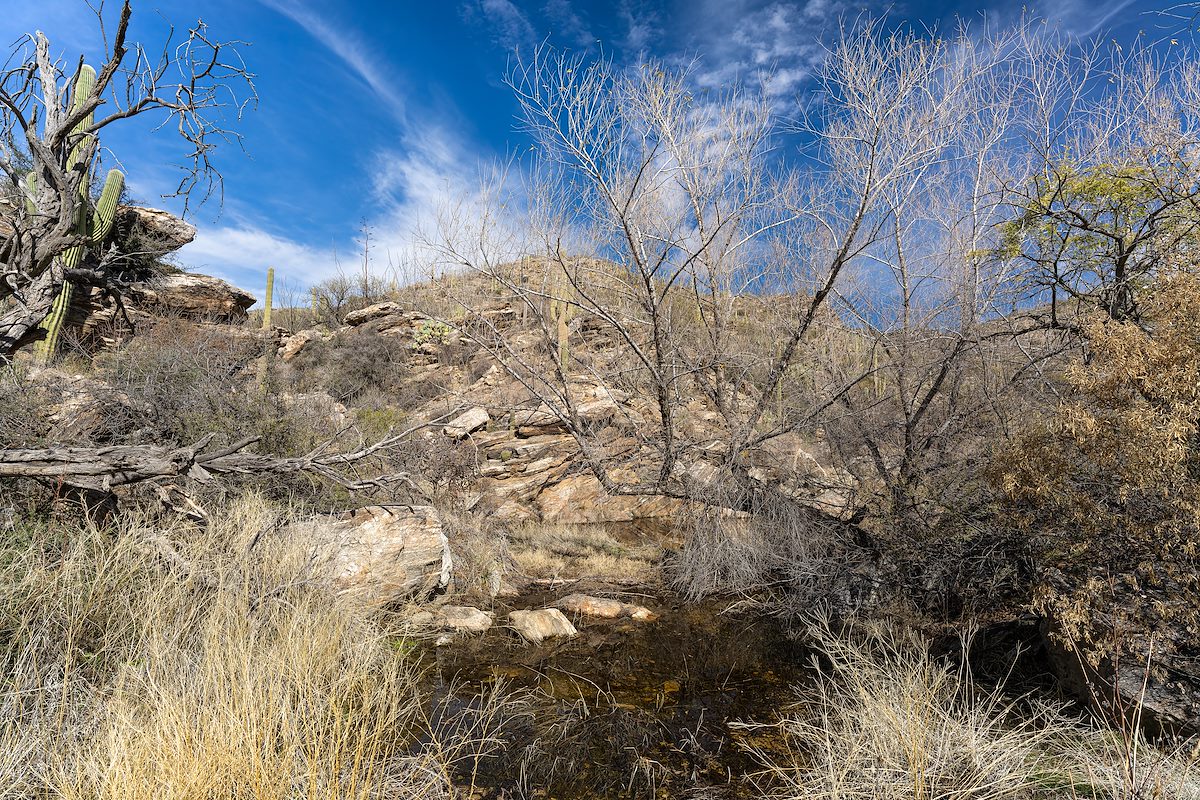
(104, 468)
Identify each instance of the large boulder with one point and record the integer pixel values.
(154, 230)
(467, 423)
(381, 555)
(292, 346)
(198, 297)
(537, 626)
(202, 299)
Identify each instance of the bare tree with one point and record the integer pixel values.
(720, 280)
(49, 126)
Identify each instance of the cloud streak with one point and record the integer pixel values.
(1084, 17)
(228, 253)
(350, 48)
(780, 43)
(509, 26)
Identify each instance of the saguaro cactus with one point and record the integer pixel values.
(562, 311)
(267, 300)
(93, 224)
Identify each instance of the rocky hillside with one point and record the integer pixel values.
(526, 466)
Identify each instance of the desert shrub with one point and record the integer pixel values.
(1106, 486)
(340, 295)
(444, 464)
(352, 364)
(479, 547)
(186, 381)
(23, 408)
(776, 545)
(143, 663)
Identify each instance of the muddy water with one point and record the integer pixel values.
(631, 709)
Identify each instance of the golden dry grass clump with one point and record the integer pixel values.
(142, 664)
(887, 720)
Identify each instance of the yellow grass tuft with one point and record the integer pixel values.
(143, 663)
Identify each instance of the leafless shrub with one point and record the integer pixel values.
(353, 363)
(774, 543)
(187, 379)
(22, 410)
(481, 553)
(444, 463)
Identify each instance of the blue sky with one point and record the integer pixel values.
(372, 110)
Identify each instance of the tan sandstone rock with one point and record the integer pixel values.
(467, 423)
(293, 345)
(537, 626)
(382, 554)
(587, 605)
(460, 619)
(581, 498)
(369, 313)
(155, 229)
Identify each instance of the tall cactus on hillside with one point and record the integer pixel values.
(267, 300)
(562, 311)
(92, 224)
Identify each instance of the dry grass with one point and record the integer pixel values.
(580, 551)
(886, 720)
(154, 665)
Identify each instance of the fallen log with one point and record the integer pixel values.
(102, 469)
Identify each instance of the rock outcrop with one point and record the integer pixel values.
(381, 554)
(84, 409)
(529, 467)
(292, 346)
(153, 230)
(201, 299)
(145, 234)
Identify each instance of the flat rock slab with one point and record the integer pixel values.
(460, 619)
(382, 554)
(586, 605)
(537, 626)
(467, 423)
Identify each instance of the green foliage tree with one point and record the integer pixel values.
(1094, 237)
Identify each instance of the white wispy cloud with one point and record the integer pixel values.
(410, 183)
(778, 42)
(1084, 17)
(508, 25)
(351, 48)
(240, 254)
